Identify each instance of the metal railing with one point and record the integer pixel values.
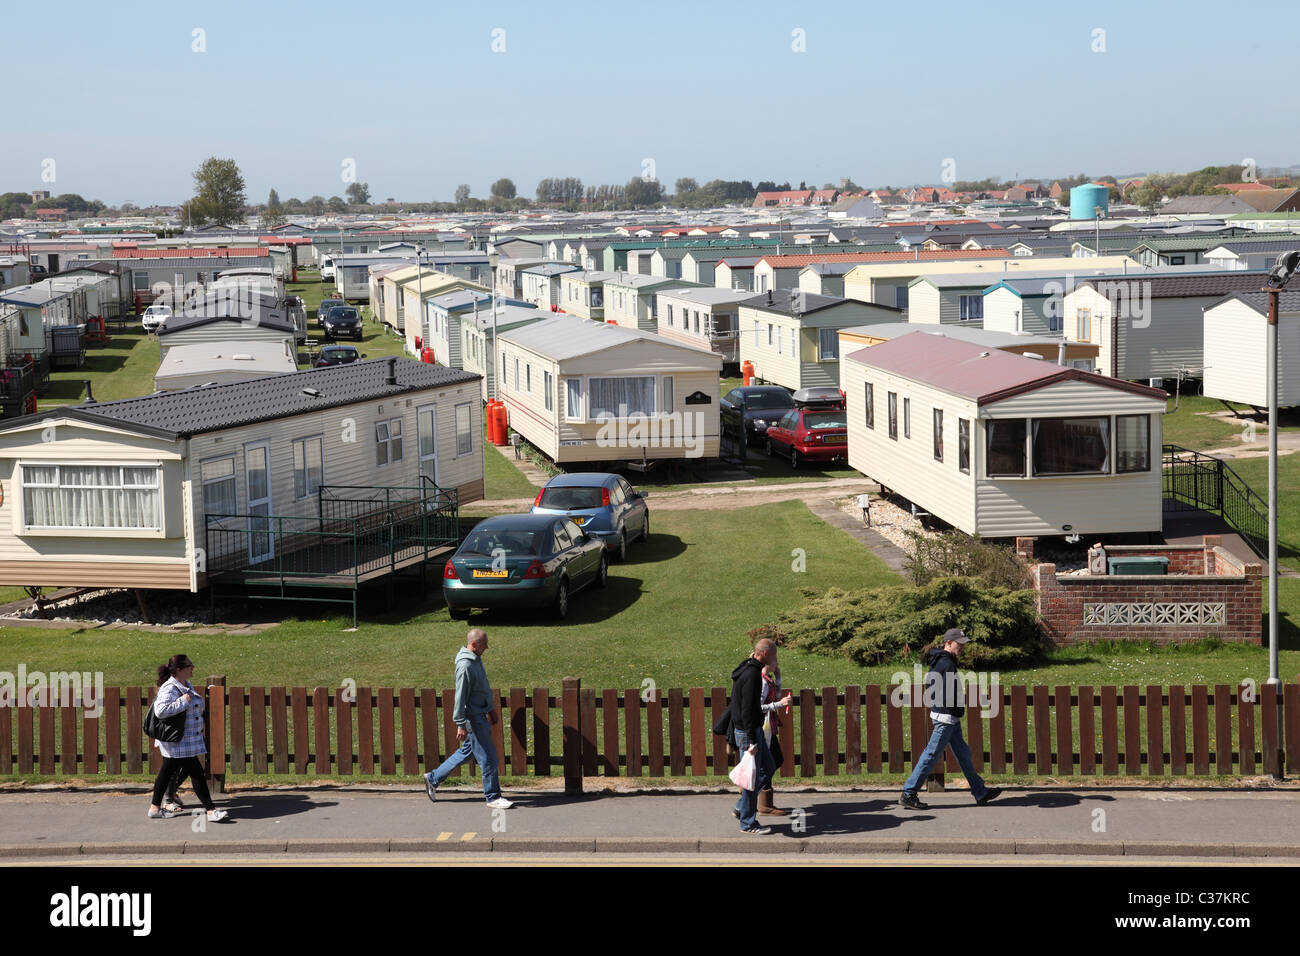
(1194, 480)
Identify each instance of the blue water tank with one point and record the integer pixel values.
(1085, 199)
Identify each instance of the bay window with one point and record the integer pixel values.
(1071, 446)
(1005, 448)
(622, 396)
(1132, 443)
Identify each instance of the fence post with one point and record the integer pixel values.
(571, 740)
(216, 762)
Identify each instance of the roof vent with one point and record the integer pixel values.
(391, 378)
(984, 355)
(1032, 355)
(90, 398)
(241, 357)
(312, 392)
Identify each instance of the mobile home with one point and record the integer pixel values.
(1236, 346)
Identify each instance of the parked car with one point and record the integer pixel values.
(36, 272)
(325, 306)
(337, 355)
(603, 505)
(757, 406)
(819, 396)
(155, 317)
(342, 320)
(522, 561)
(810, 434)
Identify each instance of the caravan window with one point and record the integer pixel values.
(1132, 443)
(622, 396)
(118, 497)
(308, 467)
(1005, 448)
(1071, 446)
(388, 441)
(218, 477)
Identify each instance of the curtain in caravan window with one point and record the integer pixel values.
(573, 399)
(92, 496)
(1071, 446)
(1006, 448)
(1132, 443)
(624, 396)
(666, 405)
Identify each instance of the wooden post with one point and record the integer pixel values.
(214, 729)
(571, 742)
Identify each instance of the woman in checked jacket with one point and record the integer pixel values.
(176, 695)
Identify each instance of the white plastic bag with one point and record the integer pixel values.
(743, 774)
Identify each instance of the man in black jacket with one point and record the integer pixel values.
(943, 694)
(747, 725)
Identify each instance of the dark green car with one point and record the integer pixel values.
(522, 561)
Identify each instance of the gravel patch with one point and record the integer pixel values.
(111, 607)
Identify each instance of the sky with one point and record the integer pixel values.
(122, 102)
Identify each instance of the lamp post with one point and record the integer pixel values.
(419, 295)
(493, 259)
(1278, 277)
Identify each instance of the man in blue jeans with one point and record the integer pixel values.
(747, 727)
(944, 697)
(474, 714)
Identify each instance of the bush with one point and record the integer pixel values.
(896, 624)
(954, 554)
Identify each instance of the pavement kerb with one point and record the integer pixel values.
(714, 845)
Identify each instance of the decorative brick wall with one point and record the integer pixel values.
(1208, 591)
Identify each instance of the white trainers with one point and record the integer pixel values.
(500, 803)
(163, 814)
(217, 815)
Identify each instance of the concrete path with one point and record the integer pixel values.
(1091, 823)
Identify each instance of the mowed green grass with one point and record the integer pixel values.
(676, 613)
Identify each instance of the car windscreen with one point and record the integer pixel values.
(342, 315)
(570, 499)
(769, 400)
(815, 420)
(490, 541)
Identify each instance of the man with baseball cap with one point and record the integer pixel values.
(943, 694)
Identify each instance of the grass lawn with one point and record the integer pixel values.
(1191, 428)
(123, 369)
(502, 479)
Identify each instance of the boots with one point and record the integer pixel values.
(766, 806)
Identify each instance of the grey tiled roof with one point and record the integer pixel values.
(197, 410)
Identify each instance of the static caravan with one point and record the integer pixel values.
(1000, 445)
(40, 308)
(14, 270)
(217, 363)
(443, 317)
(114, 295)
(119, 494)
(175, 278)
(704, 318)
(509, 277)
(541, 283)
(583, 391)
(631, 301)
(583, 294)
(416, 293)
(736, 272)
(824, 278)
(1150, 326)
(1236, 346)
(1050, 348)
(791, 337)
(267, 326)
(376, 283)
(476, 338)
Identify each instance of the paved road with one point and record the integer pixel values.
(1134, 823)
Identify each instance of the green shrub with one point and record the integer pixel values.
(955, 554)
(896, 624)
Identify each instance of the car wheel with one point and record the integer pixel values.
(602, 576)
(561, 606)
(622, 546)
(645, 528)
(771, 452)
(457, 613)
(795, 460)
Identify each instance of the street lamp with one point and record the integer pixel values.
(493, 259)
(1278, 277)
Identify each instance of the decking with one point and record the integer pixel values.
(358, 535)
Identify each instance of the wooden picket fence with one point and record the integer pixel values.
(853, 731)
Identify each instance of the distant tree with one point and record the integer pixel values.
(358, 194)
(766, 186)
(273, 215)
(14, 205)
(849, 186)
(462, 194)
(1144, 197)
(389, 201)
(685, 185)
(503, 188)
(641, 192)
(219, 193)
(315, 206)
(336, 204)
(294, 205)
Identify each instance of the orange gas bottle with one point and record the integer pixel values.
(490, 419)
(503, 420)
(747, 371)
(426, 355)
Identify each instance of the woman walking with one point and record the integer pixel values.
(177, 695)
(772, 705)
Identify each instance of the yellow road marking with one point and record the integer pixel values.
(446, 835)
(468, 836)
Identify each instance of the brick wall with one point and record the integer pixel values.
(1208, 591)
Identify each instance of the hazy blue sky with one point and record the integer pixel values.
(414, 93)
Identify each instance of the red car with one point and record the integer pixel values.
(810, 434)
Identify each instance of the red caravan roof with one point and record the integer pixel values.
(972, 371)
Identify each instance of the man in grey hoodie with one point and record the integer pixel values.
(474, 714)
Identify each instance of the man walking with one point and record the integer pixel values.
(474, 714)
(747, 725)
(941, 692)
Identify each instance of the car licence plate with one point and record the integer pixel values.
(491, 574)
(579, 519)
(836, 439)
